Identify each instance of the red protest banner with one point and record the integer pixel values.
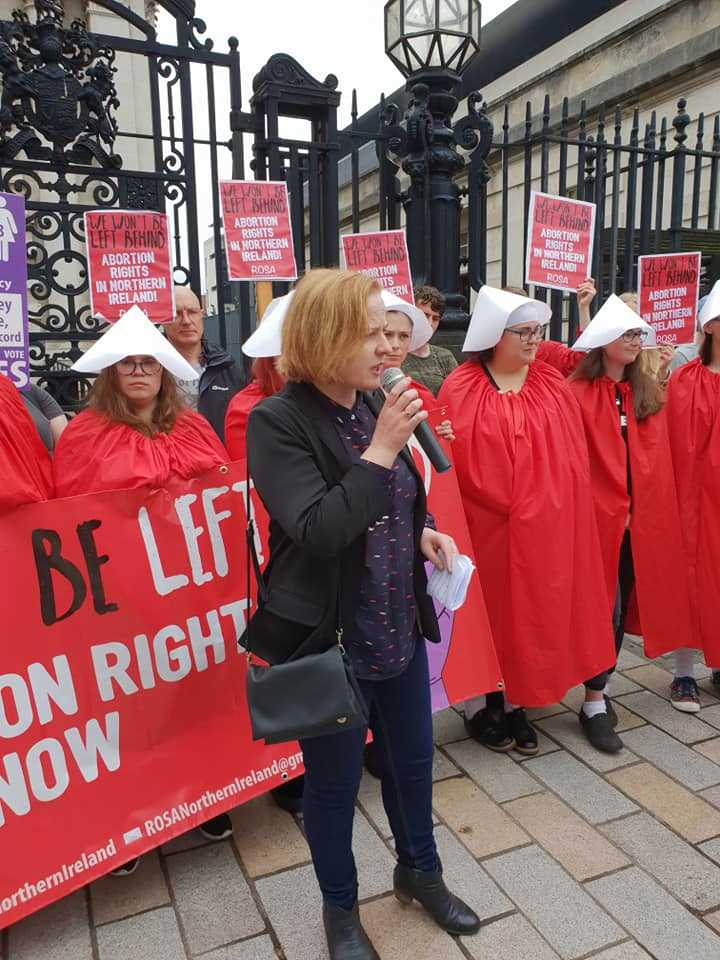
(559, 241)
(464, 663)
(122, 705)
(382, 255)
(668, 290)
(258, 233)
(128, 254)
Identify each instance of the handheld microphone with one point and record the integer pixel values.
(423, 432)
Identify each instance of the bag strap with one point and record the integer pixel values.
(250, 531)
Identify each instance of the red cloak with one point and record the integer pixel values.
(522, 466)
(236, 418)
(94, 454)
(660, 569)
(25, 467)
(693, 413)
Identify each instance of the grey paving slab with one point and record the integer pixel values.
(712, 795)
(711, 715)
(684, 764)
(154, 935)
(213, 899)
(655, 918)
(581, 788)
(259, 948)
(627, 659)
(630, 950)
(466, 878)
(678, 866)
(570, 920)
(370, 799)
(566, 729)
(496, 773)
(511, 938)
(619, 685)
(662, 714)
(448, 726)
(114, 898)
(59, 932)
(374, 861)
(711, 848)
(443, 767)
(293, 904)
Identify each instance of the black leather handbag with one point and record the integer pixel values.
(308, 696)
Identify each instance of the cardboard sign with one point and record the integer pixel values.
(382, 255)
(258, 232)
(559, 242)
(668, 290)
(128, 254)
(14, 339)
(122, 711)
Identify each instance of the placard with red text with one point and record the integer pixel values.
(559, 242)
(382, 255)
(668, 290)
(128, 256)
(258, 231)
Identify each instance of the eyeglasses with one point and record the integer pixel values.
(527, 334)
(630, 336)
(149, 366)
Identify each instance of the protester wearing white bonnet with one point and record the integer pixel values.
(133, 335)
(421, 328)
(522, 467)
(266, 340)
(496, 311)
(612, 321)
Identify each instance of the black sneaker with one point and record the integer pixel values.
(716, 678)
(219, 828)
(289, 796)
(126, 869)
(520, 728)
(491, 730)
(685, 695)
(599, 732)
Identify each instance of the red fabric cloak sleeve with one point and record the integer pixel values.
(236, 418)
(655, 534)
(25, 466)
(94, 454)
(559, 356)
(693, 412)
(523, 471)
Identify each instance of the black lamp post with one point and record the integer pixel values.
(431, 42)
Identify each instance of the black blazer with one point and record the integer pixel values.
(320, 506)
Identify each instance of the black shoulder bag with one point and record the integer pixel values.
(313, 695)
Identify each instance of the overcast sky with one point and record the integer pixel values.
(344, 37)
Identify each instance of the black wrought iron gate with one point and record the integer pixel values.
(64, 147)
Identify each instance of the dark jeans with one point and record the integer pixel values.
(401, 723)
(626, 582)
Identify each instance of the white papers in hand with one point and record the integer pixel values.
(450, 589)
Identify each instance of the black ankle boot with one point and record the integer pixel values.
(447, 910)
(345, 936)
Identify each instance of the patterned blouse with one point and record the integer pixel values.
(381, 641)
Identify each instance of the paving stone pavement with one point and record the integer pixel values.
(566, 856)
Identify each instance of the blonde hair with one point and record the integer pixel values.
(631, 299)
(327, 319)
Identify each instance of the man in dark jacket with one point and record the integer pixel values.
(219, 376)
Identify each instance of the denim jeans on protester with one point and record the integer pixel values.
(401, 722)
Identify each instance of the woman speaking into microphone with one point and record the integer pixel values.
(349, 530)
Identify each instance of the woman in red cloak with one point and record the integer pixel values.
(523, 471)
(693, 412)
(25, 468)
(136, 433)
(621, 399)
